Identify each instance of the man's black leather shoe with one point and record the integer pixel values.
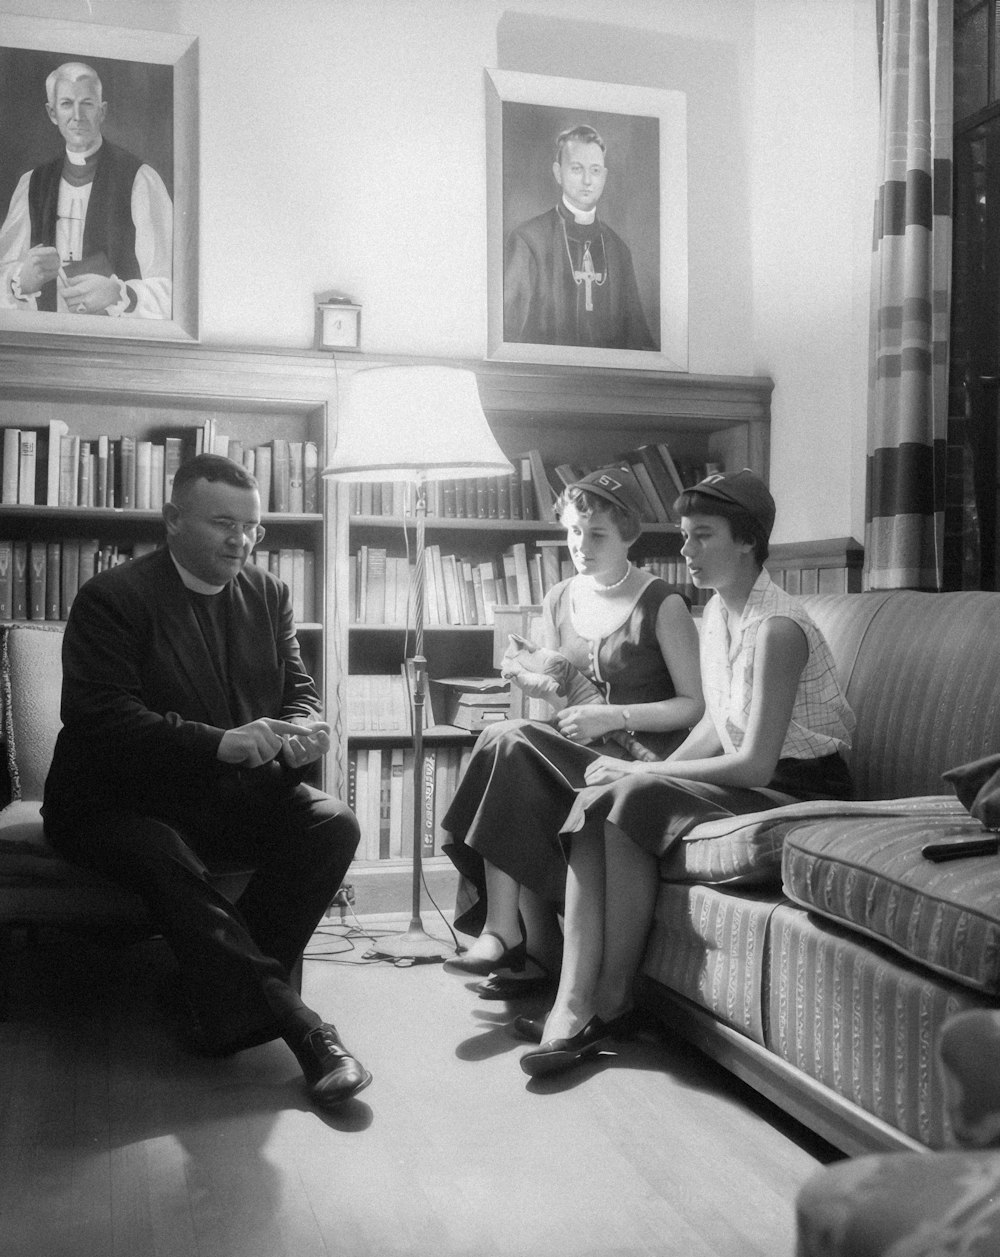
(332, 1074)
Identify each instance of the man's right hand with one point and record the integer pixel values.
(256, 743)
(38, 266)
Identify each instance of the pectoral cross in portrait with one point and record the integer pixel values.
(588, 276)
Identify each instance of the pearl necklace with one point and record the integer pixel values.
(606, 589)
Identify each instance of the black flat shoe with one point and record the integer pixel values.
(506, 986)
(332, 1074)
(527, 1028)
(511, 958)
(558, 1054)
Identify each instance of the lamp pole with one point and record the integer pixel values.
(416, 943)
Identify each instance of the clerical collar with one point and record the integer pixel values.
(583, 217)
(79, 169)
(194, 583)
(81, 159)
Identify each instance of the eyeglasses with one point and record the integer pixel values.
(253, 532)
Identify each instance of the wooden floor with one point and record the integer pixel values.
(117, 1143)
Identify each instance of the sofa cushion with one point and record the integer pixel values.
(870, 876)
(746, 850)
(710, 946)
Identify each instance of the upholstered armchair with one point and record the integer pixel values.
(932, 1204)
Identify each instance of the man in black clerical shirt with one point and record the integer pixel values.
(188, 722)
(568, 277)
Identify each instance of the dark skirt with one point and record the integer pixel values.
(524, 794)
(657, 812)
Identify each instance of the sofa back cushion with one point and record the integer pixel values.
(32, 685)
(922, 673)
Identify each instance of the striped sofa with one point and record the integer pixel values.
(812, 949)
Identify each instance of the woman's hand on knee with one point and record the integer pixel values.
(605, 769)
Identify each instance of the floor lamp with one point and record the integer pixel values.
(415, 424)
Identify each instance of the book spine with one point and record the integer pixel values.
(385, 805)
(101, 488)
(19, 610)
(6, 580)
(514, 497)
(544, 497)
(373, 803)
(352, 780)
(53, 580)
(296, 477)
(173, 448)
(280, 475)
(57, 430)
(84, 484)
(427, 811)
(11, 465)
(310, 478)
(37, 569)
(26, 468)
(264, 460)
(126, 473)
(70, 574)
(143, 475)
(156, 477)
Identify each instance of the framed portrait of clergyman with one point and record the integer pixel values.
(587, 222)
(98, 180)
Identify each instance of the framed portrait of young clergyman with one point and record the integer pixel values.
(98, 180)
(586, 222)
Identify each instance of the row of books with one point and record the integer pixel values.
(296, 566)
(54, 467)
(461, 590)
(380, 785)
(526, 494)
(531, 492)
(458, 589)
(380, 703)
(40, 579)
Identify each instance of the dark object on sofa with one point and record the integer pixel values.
(978, 788)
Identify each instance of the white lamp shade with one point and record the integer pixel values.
(412, 423)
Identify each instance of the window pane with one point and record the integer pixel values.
(971, 61)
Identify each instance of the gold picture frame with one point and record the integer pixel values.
(644, 207)
(150, 81)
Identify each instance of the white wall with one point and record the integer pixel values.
(342, 147)
(814, 128)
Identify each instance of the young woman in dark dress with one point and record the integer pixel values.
(633, 636)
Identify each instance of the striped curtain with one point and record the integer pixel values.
(911, 280)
